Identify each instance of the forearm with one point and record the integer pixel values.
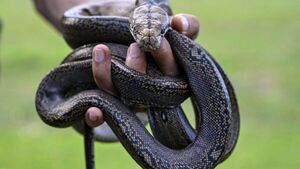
(53, 10)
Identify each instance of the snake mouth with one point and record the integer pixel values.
(148, 47)
(148, 43)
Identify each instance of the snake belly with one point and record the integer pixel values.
(206, 82)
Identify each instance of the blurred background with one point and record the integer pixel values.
(256, 42)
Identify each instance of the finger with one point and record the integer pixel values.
(101, 68)
(94, 117)
(165, 60)
(186, 24)
(136, 58)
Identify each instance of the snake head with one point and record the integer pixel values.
(148, 25)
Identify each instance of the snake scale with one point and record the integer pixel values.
(68, 91)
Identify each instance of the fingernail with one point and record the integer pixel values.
(134, 51)
(185, 23)
(93, 116)
(99, 55)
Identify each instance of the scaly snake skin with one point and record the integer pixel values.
(66, 93)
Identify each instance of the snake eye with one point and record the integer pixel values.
(163, 32)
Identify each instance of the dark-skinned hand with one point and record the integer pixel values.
(136, 59)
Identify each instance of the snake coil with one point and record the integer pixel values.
(68, 91)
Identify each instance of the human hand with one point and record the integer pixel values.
(136, 59)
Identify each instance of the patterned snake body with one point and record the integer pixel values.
(213, 96)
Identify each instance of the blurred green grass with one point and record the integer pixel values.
(256, 42)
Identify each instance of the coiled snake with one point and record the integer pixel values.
(68, 91)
